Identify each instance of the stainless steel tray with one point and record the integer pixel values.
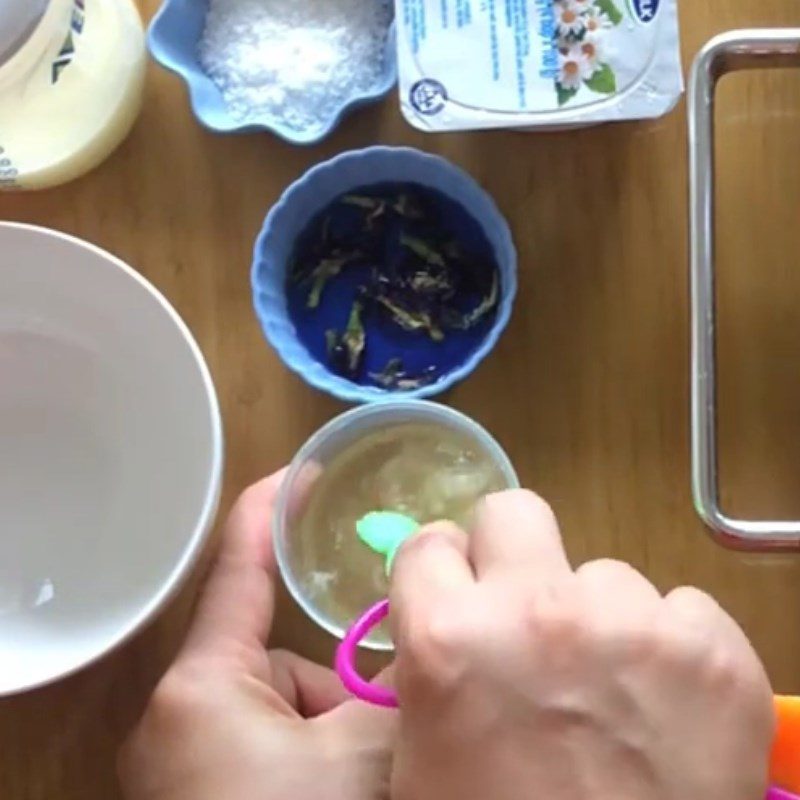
(737, 50)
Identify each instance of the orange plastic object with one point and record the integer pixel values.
(785, 765)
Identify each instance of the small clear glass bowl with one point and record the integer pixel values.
(321, 450)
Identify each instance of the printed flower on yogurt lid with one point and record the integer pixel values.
(596, 20)
(574, 68)
(579, 36)
(592, 51)
(569, 18)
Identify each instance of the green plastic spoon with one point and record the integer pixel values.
(385, 531)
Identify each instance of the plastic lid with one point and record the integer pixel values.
(17, 21)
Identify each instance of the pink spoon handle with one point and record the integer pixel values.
(779, 794)
(346, 660)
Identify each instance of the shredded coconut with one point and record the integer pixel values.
(294, 61)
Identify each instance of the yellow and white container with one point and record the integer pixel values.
(71, 80)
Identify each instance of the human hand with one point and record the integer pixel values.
(231, 720)
(519, 677)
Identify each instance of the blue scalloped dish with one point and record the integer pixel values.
(173, 38)
(313, 192)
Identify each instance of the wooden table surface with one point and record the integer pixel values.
(588, 389)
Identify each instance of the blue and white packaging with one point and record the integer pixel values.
(468, 64)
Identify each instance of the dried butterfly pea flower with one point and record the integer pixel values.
(325, 270)
(393, 376)
(411, 320)
(423, 250)
(454, 319)
(346, 350)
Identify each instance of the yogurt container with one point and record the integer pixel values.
(536, 64)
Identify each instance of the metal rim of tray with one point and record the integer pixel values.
(730, 52)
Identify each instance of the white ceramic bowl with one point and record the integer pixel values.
(110, 454)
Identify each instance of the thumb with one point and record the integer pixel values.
(235, 609)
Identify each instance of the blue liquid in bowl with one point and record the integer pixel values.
(421, 356)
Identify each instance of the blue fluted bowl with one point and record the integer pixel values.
(319, 187)
(173, 38)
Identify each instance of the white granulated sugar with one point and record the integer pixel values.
(294, 61)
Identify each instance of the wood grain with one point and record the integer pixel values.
(588, 390)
